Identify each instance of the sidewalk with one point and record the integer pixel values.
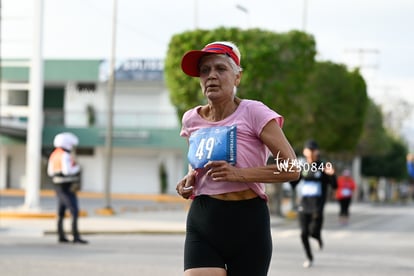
(166, 215)
(155, 222)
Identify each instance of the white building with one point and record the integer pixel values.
(146, 141)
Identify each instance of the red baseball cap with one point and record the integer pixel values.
(191, 60)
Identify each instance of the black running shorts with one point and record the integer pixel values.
(234, 235)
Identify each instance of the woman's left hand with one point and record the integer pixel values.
(222, 171)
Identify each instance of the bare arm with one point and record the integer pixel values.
(274, 138)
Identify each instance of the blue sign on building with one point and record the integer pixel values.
(134, 69)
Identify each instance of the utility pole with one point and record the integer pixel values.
(109, 129)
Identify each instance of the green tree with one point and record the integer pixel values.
(334, 104)
(383, 155)
(392, 164)
(374, 139)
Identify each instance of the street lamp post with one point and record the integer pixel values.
(245, 11)
(304, 15)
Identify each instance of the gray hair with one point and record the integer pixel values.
(236, 69)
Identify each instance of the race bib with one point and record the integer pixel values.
(213, 143)
(311, 188)
(346, 192)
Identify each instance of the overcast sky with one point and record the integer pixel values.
(379, 29)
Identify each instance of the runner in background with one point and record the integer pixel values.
(410, 171)
(316, 177)
(344, 192)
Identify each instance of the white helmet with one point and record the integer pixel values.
(66, 140)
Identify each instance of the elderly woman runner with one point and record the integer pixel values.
(228, 224)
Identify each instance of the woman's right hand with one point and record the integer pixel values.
(186, 185)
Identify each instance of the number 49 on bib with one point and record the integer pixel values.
(216, 143)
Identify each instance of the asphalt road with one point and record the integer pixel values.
(378, 241)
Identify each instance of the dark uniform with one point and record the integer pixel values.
(65, 176)
(313, 191)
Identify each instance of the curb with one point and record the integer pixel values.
(122, 232)
(19, 213)
(85, 194)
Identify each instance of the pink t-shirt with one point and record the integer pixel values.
(250, 117)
